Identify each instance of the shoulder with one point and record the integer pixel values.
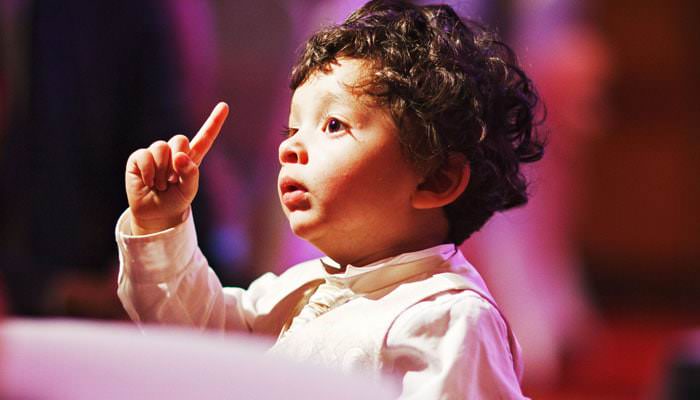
(462, 321)
(461, 314)
(457, 329)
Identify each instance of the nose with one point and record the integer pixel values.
(292, 151)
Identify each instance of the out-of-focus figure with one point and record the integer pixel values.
(84, 83)
(254, 48)
(529, 255)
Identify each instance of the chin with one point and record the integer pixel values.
(301, 228)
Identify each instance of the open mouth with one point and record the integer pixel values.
(293, 194)
(288, 185)
(292, 188)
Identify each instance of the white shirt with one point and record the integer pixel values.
(453, 344)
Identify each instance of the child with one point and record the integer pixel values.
(406, 131)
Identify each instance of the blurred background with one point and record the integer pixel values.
(599, 274)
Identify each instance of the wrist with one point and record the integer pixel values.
(147, 226)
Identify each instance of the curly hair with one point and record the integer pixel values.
(451, 86)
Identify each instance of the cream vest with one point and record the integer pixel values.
(353, 335)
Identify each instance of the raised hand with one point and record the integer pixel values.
(162, 180)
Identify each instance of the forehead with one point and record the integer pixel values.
(339, 83)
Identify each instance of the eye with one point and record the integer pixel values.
(334, 126)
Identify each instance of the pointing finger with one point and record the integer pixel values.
(203, 140)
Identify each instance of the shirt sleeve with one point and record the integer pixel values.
(452, 346)
(165, 278)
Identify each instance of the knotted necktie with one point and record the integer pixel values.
(326, 297)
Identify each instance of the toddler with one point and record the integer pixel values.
(406, 131)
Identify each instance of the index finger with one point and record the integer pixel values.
(202, 141)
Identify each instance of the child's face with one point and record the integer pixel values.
(344, 184)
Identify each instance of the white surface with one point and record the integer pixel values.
(64, 359)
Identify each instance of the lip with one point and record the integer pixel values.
(293, 194)
(288, 184)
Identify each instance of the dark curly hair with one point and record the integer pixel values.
(452, 87)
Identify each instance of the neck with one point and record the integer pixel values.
(372, 248)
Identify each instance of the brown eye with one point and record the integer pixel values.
(334, 126)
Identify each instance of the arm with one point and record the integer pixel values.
(454, 346)
(165, 278)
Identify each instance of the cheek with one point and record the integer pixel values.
(338, 186)
(378, 180)
(362, 187)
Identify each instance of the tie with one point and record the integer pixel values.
(326, 297)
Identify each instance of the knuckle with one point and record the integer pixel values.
(160, 150)
(158, 145)
(178, 139)
(178, 143)
(137, 155)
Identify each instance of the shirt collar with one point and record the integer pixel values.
(390, 270)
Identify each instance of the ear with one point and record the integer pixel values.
(443, 186)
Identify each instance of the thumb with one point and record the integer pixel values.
(188, 172)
